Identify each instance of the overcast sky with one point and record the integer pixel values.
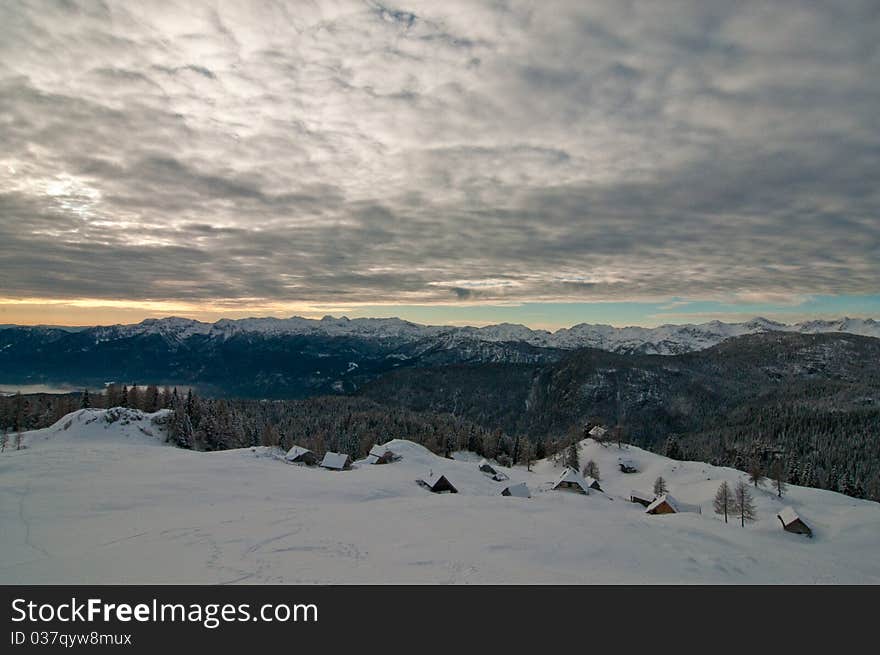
(546, 162)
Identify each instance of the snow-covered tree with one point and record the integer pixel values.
(660, 487)
(572, 459)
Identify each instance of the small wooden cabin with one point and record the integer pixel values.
(437, 484)
(592, 483)
(300, 455)
(336, 461)
(664, 504)
(520, 490)
(486, 467)
(571, 480)
(642, 498)
(791, 522)
(381, 455)
(627, 466)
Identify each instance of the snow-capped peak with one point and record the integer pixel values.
(662, 340)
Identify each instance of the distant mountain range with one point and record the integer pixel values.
(298, 357)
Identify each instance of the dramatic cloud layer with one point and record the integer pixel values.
(355, 152)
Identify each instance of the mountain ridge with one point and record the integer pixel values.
(666, 339)
(298, 358)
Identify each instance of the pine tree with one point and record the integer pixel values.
(743, 504)
(723, 500)
(672, 450)
(151, 399)
(112, 394)
(86, 400)
(660, 487)
(18, 411)
(270, 436)
(134, 397)
(166, 397)
(123, 399)
(592, 470)
(572, 460)
(4, 439)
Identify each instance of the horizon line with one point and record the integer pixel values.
(461, 325)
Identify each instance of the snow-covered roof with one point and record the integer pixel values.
(485, 462)
(520, 490)
(598, 431)
(788, 516)
(665, 498)
(572, 476)
(644, 495)
(591, 481)
(334, 460)
(296, 451)
(432, 479)
(378, 451)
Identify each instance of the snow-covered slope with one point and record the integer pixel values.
(663, 340)
(97, 501)
(112, 425)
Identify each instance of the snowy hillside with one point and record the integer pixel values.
(99, 498)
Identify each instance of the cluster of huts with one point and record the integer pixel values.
(338, 461)
(666, 504)
(568, 480)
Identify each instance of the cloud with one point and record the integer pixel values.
(365, 152)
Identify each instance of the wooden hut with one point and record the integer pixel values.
(300, 455)
(491, 471)
(336, 461)
(381, 455)
(520, 490)
(642, 498)
(627, 466)
(664, 504)
(571, 480)
(791, 522)
(592, 483)
(438, 484)
(486, 467)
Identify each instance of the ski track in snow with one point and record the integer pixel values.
(26, 522)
